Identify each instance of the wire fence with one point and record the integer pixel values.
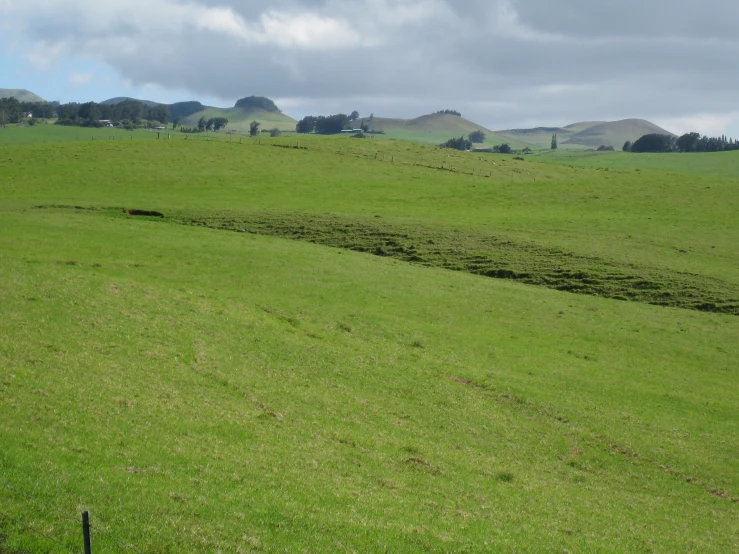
(69, 538)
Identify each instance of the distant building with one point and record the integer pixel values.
(482, 149)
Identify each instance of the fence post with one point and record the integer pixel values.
(86, 532)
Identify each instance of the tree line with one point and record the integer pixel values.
(130, 113)
(212, 124)
(13, 111)
(689, 142)
(329, 125)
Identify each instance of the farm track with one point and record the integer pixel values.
(488, 255)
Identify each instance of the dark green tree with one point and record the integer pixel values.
(477, 136)
(331, 125)
(159, 113)
(201, 124)
(306, 125)
(275, 132)
(688, 142)
(254, 128)
(654, 143)
(554, 141)
(354, 116)
(219, 123)
(627, 146)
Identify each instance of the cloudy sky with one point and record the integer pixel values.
(502, 63)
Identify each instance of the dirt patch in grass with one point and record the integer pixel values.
(489, 255)
(148, 213)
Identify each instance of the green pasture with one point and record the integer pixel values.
(47, 133)
(724, 164)
(343, 375)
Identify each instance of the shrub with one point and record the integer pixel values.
(460, 143)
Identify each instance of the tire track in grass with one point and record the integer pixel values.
(532, 411)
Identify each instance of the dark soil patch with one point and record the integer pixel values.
(149, 213)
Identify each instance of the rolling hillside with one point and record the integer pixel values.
(615, 133)
(432, 128)
(20, 94)
(585, 134)
(365, 346)
(239, 119)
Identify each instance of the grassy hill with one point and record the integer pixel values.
(20, 94)
(614, 133)
(239, 119)
(367, 366)
(586, 134)
(119, 99)
(432, 128)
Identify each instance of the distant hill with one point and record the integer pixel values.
(432, 128)
(585, 134)
(615, 133)
(20, 94)
(239, 118)
(119, 99)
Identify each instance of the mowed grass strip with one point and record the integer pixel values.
(203, 391)
(489, 255)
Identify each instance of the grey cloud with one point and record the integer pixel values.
(503, 62)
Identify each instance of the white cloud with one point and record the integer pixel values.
(305, 30)
(45, 54)
(80, 79)
(706, 123)
(506, 23)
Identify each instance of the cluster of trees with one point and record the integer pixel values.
(449, 112)
(604, 148)
(257, 103)
(477, 136)
(130, 113)
(460, 143)
(327, 125)
(14, 111)
(689, 142)
(212, 124)
(694, 142)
